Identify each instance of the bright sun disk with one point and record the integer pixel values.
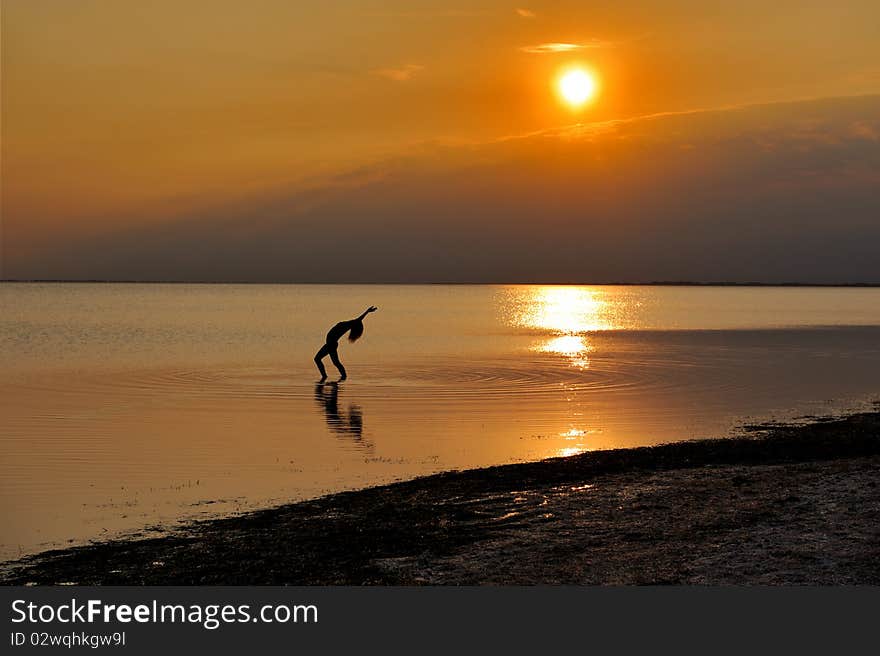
(576, 87)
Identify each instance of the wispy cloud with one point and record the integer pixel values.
(550, 48)
(868, 130)
(399, 74)
(447, 13)
(525, 13)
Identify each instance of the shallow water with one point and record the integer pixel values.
(130, 407)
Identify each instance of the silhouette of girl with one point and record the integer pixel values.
(356, 326)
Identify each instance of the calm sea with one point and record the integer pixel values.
(127, 408)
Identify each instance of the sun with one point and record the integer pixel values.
(576, 86)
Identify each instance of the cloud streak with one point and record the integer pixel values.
(525, 13)
(556, 47)
(400, 73)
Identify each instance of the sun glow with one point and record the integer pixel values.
(576, 87)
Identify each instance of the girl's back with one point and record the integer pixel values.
(337, 331)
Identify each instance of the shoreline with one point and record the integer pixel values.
(789, 504)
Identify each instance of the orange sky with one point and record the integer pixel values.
(121, 117)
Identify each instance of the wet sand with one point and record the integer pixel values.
(784, 505)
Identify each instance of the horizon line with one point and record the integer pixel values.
(651, 283)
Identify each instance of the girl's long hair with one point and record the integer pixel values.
(357, 329)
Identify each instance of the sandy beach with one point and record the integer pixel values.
(787, 504)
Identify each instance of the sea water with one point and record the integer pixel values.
(127, 408)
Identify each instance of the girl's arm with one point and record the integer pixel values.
(372, 308)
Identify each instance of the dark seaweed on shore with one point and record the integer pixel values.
(417, 531)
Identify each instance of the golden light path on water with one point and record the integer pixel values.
(572, 313)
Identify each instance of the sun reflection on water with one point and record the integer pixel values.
(564, 317)
(574, 347)
(570, 313)
(569, 310)
(573, 435)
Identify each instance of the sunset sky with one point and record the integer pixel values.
(347, 141)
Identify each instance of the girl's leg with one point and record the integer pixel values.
(334, 357)
(320, 356)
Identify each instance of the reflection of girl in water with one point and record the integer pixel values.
(350, 423)
(356, 326)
